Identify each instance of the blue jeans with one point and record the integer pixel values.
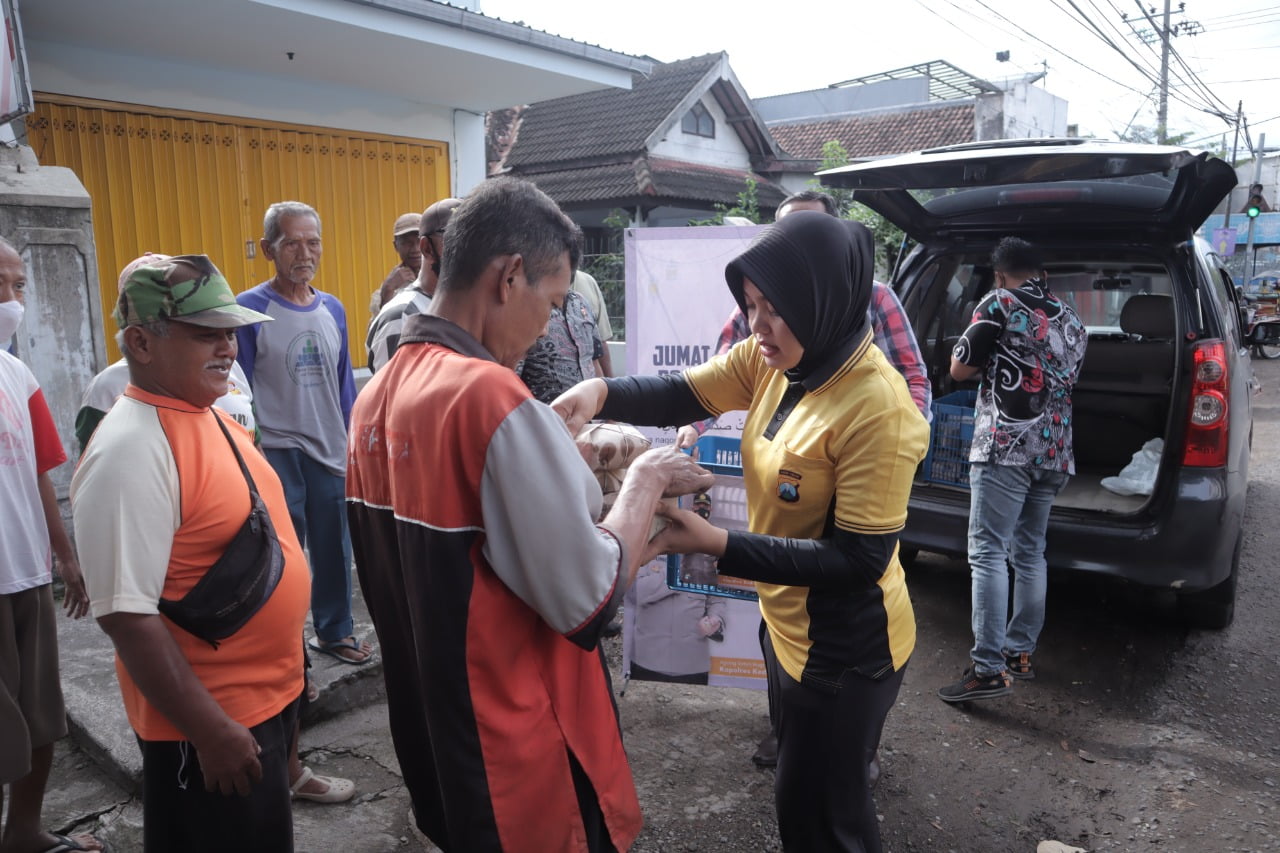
(318, 505)
(1008, 516)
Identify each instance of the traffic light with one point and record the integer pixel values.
(1256, 203)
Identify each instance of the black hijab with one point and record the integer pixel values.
(816, 271)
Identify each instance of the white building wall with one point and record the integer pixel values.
(1030, 112)
(87, 73)
(725, 150)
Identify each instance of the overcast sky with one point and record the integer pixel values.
(795, 45)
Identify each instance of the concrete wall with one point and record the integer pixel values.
(45, 213)
(1023, 111)
(829, 103)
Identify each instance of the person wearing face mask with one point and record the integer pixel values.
(384, 331)
(32, 715)
(831, 443)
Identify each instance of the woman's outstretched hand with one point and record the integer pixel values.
(581, 403)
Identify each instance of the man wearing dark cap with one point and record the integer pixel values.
(165, 489)
(404, 237)
(384, 331)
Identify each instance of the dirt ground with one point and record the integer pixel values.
(1136, 734)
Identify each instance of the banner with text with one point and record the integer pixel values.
(677, 304)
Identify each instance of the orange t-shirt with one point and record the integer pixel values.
(157, 497)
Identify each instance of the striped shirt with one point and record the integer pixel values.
(384, 331)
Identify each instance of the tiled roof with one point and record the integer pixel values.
(879, 134)
(662, 180)
(608, 121)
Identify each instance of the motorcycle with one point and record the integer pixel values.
(1262, 326)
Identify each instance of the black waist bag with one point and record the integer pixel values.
(240, 582)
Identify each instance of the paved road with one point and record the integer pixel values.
(1137, 734)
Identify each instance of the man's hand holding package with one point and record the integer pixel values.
(682, 475)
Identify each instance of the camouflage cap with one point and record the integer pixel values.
(187, 288)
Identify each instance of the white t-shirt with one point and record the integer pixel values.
(28, 445)
(110, 383)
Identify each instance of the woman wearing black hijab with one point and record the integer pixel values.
(829, 449)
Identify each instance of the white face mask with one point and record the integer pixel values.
(10, 318)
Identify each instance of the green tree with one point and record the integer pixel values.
(748, 206)
(887, 236)
(609, 269)
(1140, 133)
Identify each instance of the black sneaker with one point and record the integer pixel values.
(767, 752)
(1020, 666)
(974, 686)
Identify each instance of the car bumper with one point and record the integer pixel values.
(1187, 545)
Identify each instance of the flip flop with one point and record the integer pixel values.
(331, 649)
(67, 844)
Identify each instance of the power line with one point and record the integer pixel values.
(1051, 47)
(968, 33)
(1198, 86)
(1147, 44)
(1229, 15)
(1249, 24)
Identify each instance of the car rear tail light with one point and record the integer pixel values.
(1207, 421)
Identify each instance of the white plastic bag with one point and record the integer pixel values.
(1139, 476)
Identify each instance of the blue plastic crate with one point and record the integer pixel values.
(721, 456)
(947, 461)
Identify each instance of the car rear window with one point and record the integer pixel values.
(1099, 295)
(1097, 289)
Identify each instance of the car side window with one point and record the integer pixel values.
(1225, 290)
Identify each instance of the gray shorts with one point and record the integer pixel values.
(32, 714)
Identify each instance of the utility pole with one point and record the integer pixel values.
(1162, 116)
(1226, 218)
(1165, 33)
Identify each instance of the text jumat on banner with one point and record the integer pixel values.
(677, 304)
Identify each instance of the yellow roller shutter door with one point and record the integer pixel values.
(163, 181)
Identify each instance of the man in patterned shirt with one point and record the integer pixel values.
(384, 331)
(567, 354)
(1027, 346)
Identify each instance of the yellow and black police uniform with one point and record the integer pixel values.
(829, 451)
